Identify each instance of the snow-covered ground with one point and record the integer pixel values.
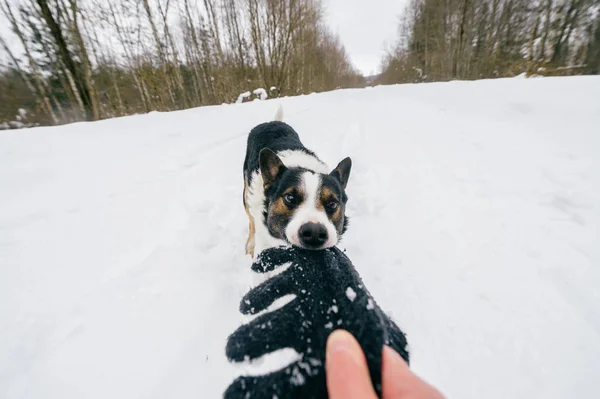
(475, 213)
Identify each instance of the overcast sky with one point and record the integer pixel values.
(365, 27)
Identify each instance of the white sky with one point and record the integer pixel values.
(365, 27)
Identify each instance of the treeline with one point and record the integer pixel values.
(440, 40)
(93, 59)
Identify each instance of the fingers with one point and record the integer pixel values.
(241, 386)
(399, 382)
(272, 258)
(262, 296)
(346, 368)
(261, 336)
(276, 384)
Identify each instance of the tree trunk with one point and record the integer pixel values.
(42, 97)
(146, 100)
(593, 51)
(461, 37)
(85, 62)
(197, 51)
(161, 54)
(560, 41)
(83, 90)
(175, 64)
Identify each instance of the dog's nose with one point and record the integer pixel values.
(313, 235)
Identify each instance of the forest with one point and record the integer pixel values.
(441, 40)
(96, 59)
(76, 60)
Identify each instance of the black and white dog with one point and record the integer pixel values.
(290, 195)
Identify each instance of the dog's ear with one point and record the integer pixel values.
(270, 166)
(342, 172)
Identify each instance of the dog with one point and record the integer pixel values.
(290, 195)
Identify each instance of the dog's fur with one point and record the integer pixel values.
(290, 195)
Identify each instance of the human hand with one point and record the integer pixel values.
(329, 293)
(348, 376)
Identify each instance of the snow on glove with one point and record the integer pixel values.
(329, 294)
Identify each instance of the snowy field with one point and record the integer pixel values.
(475, 213)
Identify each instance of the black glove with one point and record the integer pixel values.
(329, 295)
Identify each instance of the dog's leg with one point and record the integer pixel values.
(251, 233)
(251, 230)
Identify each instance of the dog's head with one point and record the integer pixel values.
(303, 207)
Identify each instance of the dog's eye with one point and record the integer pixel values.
(290, 199)
(333, 205)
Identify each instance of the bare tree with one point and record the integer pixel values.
(81, 83)
(490, 38)
(96, 59)
(37, 82)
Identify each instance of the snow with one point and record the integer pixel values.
(243, 96)
(297, 377)
(261, 93)
(475, 221)
(17, 124)
(268, 363)
(351, 294)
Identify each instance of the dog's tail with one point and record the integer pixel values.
(279, 114)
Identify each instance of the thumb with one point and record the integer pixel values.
(346, 368)
(400, 382)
